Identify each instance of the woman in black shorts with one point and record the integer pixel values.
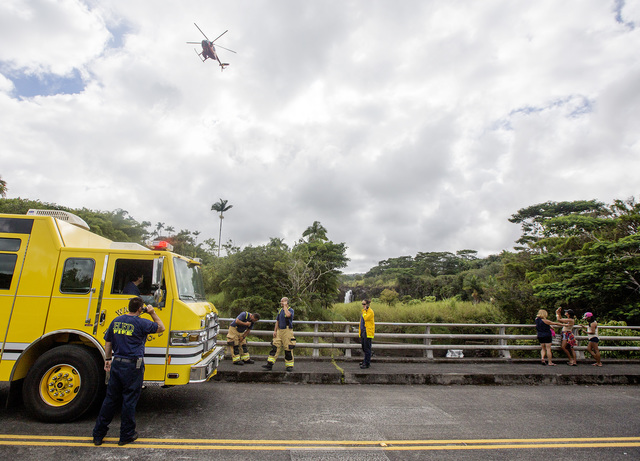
(543, 327)
(592, 334)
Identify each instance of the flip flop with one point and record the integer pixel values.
(552, 364)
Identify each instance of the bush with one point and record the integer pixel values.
(252, 304)
(389, 297)
(616, 332)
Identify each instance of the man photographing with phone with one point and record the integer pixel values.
(124, 353)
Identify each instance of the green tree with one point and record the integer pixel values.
(532, 219)
(220, 207)
(513, 291)
(313, 270)
(3, 187)
(389, 296)
(586, 257)
(254, 271)
(115, 225)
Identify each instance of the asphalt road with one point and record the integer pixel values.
(254, 421)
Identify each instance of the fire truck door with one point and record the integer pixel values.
(77, 292)
(13, 247)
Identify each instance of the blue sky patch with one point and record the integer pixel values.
(118, 33)
(30, 85)
(617, 8)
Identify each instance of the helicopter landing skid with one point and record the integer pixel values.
(200, 55)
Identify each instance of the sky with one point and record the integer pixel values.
(401, 126)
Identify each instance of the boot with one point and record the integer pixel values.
(268, 366)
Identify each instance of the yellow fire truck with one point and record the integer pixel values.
(62, 285)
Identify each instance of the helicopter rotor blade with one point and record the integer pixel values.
(220, 35)
(205, 36)
(194, 43)
(218, 46)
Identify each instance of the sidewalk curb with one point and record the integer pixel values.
(330, 373)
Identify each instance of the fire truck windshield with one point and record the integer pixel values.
(189, 281)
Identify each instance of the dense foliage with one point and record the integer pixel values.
(256, 278)
(440, 275)
(584, 255)
(581, 254)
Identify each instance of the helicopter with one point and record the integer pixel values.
(208, 50)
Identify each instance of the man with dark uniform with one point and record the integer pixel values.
(131, 288)
(237, 337)
(124, 352)
(283, 338)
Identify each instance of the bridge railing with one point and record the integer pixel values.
(344, 336)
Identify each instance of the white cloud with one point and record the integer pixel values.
(50, 36)
(401, 127)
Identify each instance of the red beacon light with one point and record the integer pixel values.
(161, 245)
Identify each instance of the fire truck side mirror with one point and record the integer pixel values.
(156, 278)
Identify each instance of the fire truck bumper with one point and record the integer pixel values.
(206, 368)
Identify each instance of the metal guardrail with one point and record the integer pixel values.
(341, 334)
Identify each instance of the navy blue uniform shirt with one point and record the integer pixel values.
(131, 289)
(283, 321)
(244, 317)
(128, 334)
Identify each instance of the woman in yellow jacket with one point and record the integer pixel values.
(366, 331)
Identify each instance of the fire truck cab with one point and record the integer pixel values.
(62, 285)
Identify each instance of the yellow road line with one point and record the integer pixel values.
(325, 448)
(349, 442)
(273, 445)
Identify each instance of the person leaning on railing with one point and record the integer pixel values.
(568, 339)
(543, 327)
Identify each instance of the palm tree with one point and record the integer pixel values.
(315, 231)
(159, 227)
(220, 207)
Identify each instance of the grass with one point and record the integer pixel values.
(447, 311)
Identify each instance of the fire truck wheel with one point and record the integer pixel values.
(63, 384)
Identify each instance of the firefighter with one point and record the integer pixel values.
(237, 337)
(283, 338)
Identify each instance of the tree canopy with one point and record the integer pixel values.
(589, 259)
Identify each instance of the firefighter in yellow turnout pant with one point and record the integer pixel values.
(283, 338)
(237, 337)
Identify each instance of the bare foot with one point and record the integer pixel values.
(597, 364)
(552, 364)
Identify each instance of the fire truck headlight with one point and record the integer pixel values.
(187, 338)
